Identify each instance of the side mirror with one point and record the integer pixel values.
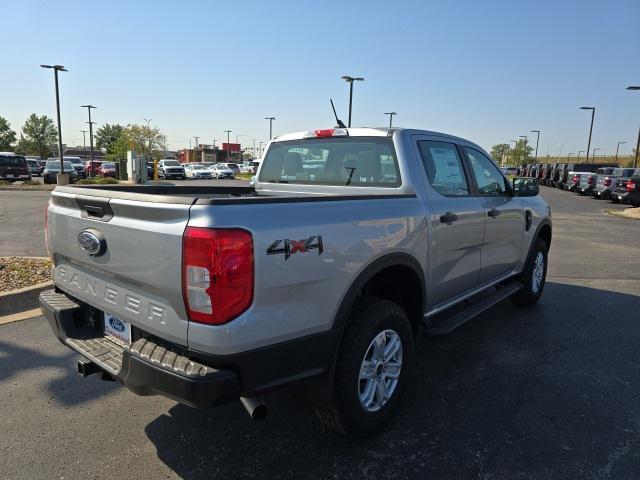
(525, 187)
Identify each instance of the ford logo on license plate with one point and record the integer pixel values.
(92, 242)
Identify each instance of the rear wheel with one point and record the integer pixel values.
(615, 199)
(533, 277)
(372, 368)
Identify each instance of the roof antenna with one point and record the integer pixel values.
(338, 121)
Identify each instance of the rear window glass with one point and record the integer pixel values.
(358, 162)
(171, 163)
(12, 161)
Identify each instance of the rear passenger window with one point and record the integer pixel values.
(444, 167)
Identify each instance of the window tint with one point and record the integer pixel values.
(488, 177)
(12, 161)
(356, 161)
(444, 168)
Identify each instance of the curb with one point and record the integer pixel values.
(34, 188)
(621, 214)
(22, 299)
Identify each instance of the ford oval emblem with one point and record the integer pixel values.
(116, 324)
(92, 242)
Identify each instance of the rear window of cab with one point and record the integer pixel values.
(12, 161)
(340, 161)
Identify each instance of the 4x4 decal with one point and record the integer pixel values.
(289, 247)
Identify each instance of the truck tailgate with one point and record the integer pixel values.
(138, 276)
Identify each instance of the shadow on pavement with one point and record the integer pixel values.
(545, 391)
(62, 385)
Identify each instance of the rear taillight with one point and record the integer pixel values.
(631, 185)
(591, 179)
(217, 273)
(575, 179)
(46, 222)
(607, 182)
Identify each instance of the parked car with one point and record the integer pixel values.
(52, 169)
(76, 162)
(34, 167)
(509, 171)
(13, 167)
(233, 167)
(619, 192)
(605, 184)
(218, 170)
(197, 170)
(555, 174)
(246, 167)
(219, 294)
(574, 180)
(92, 169)
(171, 169)
(633, 191)
(107, 169)
(545, 173)
(588, 182)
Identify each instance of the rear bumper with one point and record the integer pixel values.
(146, 368)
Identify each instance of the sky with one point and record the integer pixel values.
(487, 71)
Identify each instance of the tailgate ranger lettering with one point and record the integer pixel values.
(127, 301)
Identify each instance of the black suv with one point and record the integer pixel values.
(14, 167)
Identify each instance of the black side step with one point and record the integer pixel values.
(445, 326)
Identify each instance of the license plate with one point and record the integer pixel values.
(117, 330)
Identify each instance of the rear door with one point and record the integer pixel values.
(137, 276)
(457, 221)
(504, 218)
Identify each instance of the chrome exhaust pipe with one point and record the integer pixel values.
(255, 407)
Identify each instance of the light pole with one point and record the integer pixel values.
(391, 114)
(524, 154)
(593, 113)
(89, 107)
(569, 155)
(228, 132)
(271, 119)
(579, 152)
(350, 81)
(61, 179)
(260, 149)
(635, 160)
(84, 143)
(593, 153)
(537, 141)
(195, 155)
(618, 148)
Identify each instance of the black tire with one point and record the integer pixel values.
(369, 318)
(528, 295)
(615, 200)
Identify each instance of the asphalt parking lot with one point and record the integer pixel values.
(546, 392)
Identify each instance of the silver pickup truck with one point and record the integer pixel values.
(319, 276)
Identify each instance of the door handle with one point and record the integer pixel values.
(493, 213)
(448, 218)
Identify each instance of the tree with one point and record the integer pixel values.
(38, 136)
(499, 151)
(7, 136)
(146, 141)
(520, 154)
(107, 136)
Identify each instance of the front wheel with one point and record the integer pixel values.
(534, 276)
(372, 369)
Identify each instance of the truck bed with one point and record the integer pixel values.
(205, 195)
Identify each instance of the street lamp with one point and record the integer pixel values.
(260, 149)
(579, 152)
(524, 154)
(228, 132)
(593, 113)
(59, 68)
(148, 120)
(350, 81)
(271, 119)
(391, 114)
(618, 148)
(537, 141)
(89, 107)
(635, 160)
(593, 153)
(569, 155)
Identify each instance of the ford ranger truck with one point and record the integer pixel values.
(318, 277)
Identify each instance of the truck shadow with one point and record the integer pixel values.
(545, 391)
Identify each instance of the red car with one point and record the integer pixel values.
(107, 169)
(92, 172)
